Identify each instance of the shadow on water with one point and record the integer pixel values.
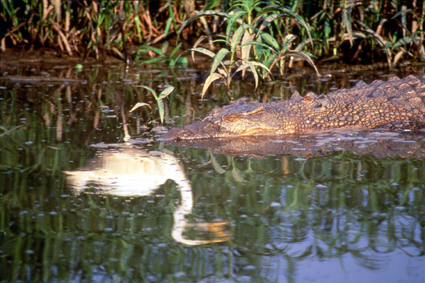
(77, 203)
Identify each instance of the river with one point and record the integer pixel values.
(88, 193)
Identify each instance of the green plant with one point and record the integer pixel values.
(161, 55)
(222, 69)
(241, 40)
(399, 45)
(415, 36)
(158, 99)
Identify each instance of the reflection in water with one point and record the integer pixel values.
(344, 216)
(360, 141)
(129, 172)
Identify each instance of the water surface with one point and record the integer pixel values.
(79, 203)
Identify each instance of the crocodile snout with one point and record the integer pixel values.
(200, 129)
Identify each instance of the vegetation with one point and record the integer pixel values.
(158, 99)
(352, 31)
(243, 36)
(241, 44)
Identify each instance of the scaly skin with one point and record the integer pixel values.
(394, 104)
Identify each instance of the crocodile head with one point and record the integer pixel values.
(197, 130)
(237, 119)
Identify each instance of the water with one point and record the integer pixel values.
(78, 203)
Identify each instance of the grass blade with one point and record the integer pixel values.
(270, 40)
(202, 14)
(139, 104)
(167, 27)
(231, 21)
(175, 50)
(165, 92)
(161, 110)
(152, 91)
(218, 59)
(236, 38)
(203, 51)
(209, 80)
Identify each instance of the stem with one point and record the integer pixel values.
(229, 71)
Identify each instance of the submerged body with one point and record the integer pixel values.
(394, 104)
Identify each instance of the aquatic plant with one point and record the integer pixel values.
(243, 34)
(158, 98)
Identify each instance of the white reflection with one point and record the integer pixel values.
(131, 172)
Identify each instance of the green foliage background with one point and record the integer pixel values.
(347, 30)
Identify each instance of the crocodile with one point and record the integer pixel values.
(396, 104)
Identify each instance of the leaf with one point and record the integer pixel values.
(203, 51)
(151, 90)
(289, 53)
(253, 70)
(346, 36)
(258, 64)
(153, 60)
(137, 24)
(207, 31)
(404, 41)
(346, 15)
(246, 48)
(209, 80)
(273, 8)
(236, 38)
(231, 21)
(183, 62)
(256, 43)
(404, 12)
(380, 26)
(251, 65)
(197, 42)
(327, 29)
(202, 14)
(380, 39)
(422, 53)
(216, 166)
(211, 5)
(139, 104)
(164, 47)
(288, 39)
(165, 92)
(161, 110)
(309, 54)
(167, 26)
(397, 57)
(267, 21)
(6, 6)
(154, 49)
(270, 40)
(222, 72)
(237, 175)
(175, 50)
(218, 59)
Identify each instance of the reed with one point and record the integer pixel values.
(343, 31)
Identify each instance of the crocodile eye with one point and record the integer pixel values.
(307, 99)
(318, 105)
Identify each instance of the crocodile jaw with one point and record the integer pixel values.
(197, 130)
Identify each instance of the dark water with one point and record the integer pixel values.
(77, 203)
